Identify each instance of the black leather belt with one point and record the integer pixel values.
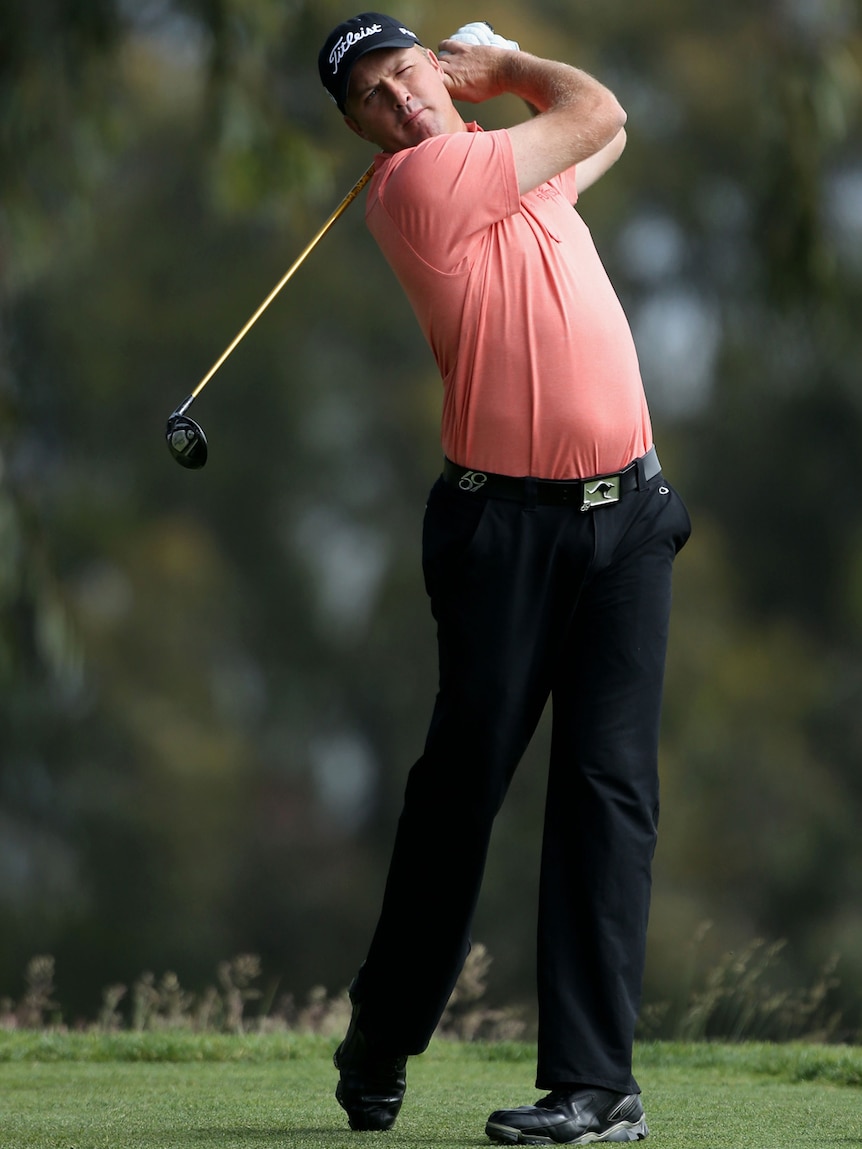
(585, 494)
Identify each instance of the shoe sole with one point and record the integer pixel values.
(625, 1131)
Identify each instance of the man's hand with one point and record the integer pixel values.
(473, 73)
(480, 32)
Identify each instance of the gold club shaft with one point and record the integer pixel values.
(345, 203)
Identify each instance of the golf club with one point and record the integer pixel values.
(185, 438)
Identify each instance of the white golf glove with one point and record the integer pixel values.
(480, 32)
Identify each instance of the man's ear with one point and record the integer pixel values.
(355, 128)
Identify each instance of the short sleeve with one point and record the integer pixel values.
(444, 191)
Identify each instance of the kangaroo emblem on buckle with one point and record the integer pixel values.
(602, 493)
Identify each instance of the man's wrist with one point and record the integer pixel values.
(541, 84)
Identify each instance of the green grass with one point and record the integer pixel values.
(177, 1090)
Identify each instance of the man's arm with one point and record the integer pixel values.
(578, 117)
(595, 166)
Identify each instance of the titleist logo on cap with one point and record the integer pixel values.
(343, 46)
(346, 43)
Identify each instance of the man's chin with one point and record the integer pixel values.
(424, 127)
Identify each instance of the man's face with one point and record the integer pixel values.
(397, 98)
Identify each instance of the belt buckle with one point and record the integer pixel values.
(603, 492)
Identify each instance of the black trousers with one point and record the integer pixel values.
(532, 602)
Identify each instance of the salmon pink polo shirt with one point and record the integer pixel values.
(539, 368)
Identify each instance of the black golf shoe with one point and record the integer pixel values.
(371, 1085)
(565, 1117)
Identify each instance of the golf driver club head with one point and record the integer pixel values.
(186, 441)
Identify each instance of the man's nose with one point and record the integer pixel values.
(399, 93)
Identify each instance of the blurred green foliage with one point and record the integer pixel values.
(214, 683)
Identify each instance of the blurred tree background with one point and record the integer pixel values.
(213, 683)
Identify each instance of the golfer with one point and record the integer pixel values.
(548, 545)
